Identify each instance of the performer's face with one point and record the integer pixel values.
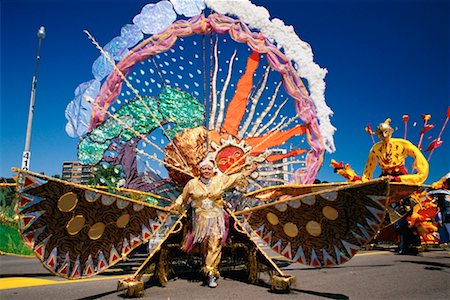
(384, 133)
(206, 172)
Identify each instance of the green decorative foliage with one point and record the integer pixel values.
(107, 175)
(181, 109)
(90, 152)
(138, 117)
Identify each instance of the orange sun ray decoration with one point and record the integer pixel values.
(234, 116)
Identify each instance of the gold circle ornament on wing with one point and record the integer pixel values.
(272, 218)
(330, 213)
(75, 224)
(123, 220)
(313, 228)
(67, 202)
(96, 231)
(290, 229)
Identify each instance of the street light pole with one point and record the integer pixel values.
(26, 152)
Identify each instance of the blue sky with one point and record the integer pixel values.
(384, 59)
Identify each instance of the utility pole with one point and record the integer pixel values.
(26, 152)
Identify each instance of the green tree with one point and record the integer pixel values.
(10, 240)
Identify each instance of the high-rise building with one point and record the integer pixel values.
(75, 172)
(276, 173)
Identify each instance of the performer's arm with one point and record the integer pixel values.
(421, 165)
(230, 181)
(238, 179)
(184, 196)
(370, 166)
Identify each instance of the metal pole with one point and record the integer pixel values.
(26, 152)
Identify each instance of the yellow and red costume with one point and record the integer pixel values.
(390, 154)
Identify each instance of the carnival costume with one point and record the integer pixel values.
(209, 228)
(259, 109)
(390, 154)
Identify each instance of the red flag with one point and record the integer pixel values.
(405, 122)
(426, 128)
(337, 165)
(448, 112)
(434, 144)
(369, 130)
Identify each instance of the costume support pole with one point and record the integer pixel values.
(26, 152)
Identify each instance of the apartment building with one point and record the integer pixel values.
(75, 172)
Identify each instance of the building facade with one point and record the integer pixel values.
(75, 172)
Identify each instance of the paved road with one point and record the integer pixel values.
(370, 275)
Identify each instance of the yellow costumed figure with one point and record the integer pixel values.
(204, 194)
(390, 154)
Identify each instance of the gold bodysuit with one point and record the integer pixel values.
(208, 220)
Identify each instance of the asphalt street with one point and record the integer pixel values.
(370, 275)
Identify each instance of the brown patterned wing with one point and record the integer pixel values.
(273, 192)
(323, 228)
(398, 191)
(78, 232)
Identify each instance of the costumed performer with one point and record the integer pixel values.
(204, 194)
(442, 197)
(390, 154)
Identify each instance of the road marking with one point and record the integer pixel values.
(21, 282)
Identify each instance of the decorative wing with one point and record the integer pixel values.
(77, 231)
(322, 228)
(275, 192)
(399, 190)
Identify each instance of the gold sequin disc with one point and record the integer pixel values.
(75, 224)
(123, 220)
(330, 213)
(67, 202)
(313, 228)
(96, 231)
(290, 229)
(272, 218)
